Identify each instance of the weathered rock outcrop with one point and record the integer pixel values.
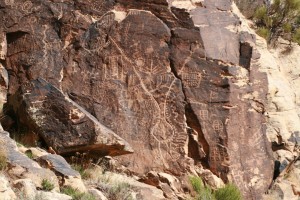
(282, 67)
(181, 86)
(64, 125)
(22, 167)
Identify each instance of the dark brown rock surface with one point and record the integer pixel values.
(169, 81)
(63, 124)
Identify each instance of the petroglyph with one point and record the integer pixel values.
(218, 125)
(191, 79)
(203, 114)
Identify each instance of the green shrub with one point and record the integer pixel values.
(47, 185)
(260, 13)
(203, 192)
(280, 19)
(75, 194)
(196, 183)
(229, 192)
(287, 27)
(263, 32)
(29, 154)
(296, 36)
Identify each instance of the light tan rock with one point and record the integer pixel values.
(3, 45)
(22, 149)
(26, 188)
(212, 180)
(168, 192)
(38, 152)
(6, 193)
(23, 167)
(144, 191)
(52, 196)
(97, 194)
(172, 181)
(3, 85)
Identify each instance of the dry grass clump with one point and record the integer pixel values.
(3, 155)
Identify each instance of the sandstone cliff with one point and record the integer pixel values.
(176, 87)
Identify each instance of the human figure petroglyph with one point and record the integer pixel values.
(162, 131)
(113, 70)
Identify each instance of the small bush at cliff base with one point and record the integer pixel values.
(47, 185)
(229, 192)
(196, 183)
(203, 192)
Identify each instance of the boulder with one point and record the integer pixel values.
(25, 188)
(59, 165)
(172, 181)
(127, 186)
(52, 196)
(211, 179)
(6, 193)
(22, 167)
(63, 124)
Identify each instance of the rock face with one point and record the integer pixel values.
(177, 83)
(63, 124)
(282, 67)
(248, 8)
(20, 166)
(6, 193)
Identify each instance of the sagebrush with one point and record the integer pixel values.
(204, 192)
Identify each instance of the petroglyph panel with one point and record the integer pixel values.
(147, 78)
